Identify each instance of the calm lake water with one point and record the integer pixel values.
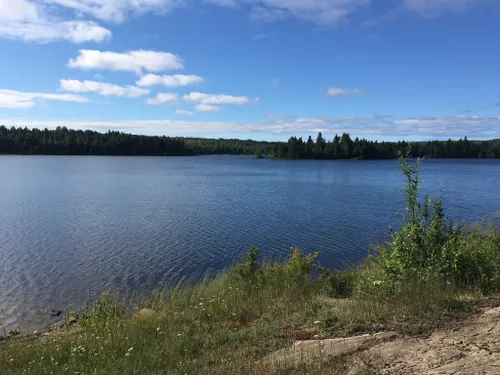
(68, 224)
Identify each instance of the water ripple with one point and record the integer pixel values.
(68, 224)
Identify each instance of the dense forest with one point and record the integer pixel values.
(343, 147)
(63, 141)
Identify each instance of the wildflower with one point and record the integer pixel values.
(200, 304)
(317, 322)
(158, 328)
(130, 349)
(377, 282)
(178, 334)
(316, 336)
(11, 360)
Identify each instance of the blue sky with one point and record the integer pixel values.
(261, 69)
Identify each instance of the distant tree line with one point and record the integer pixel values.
(63, 141)
(343, 147)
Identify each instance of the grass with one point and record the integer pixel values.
(427, 274)
(227, 324)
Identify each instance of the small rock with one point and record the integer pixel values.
(55, 312)
(303, 352)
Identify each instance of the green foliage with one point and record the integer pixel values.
(337, 284)
(300, 264)
(107, 310)
(343, 147)
(428, 244)
(248, 268)
(258, 153)
(64, 141)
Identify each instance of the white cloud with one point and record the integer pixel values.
(72, 31)
(184, 112)
(448, 121)
(17, 10)
(322, 12)
(217, 99)
(64, 20)
(20, 19)
(101, 88)
(333, 12)
(437, 7)
(18, 99)
(206, 108)
(133, 61)
(117, 10)
(267, 14)
(163, 98)
(176, 80)
(338, 92)
(381, 127)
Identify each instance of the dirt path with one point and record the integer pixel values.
(473, 347)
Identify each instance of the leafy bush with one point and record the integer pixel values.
(428, 244)
(248, 268)
(300, 264)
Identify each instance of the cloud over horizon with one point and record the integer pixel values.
(13, 99)
(473, 127)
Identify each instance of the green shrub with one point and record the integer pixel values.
(429, 245)
(248, 268)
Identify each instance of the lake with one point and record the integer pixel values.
(70, 224)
